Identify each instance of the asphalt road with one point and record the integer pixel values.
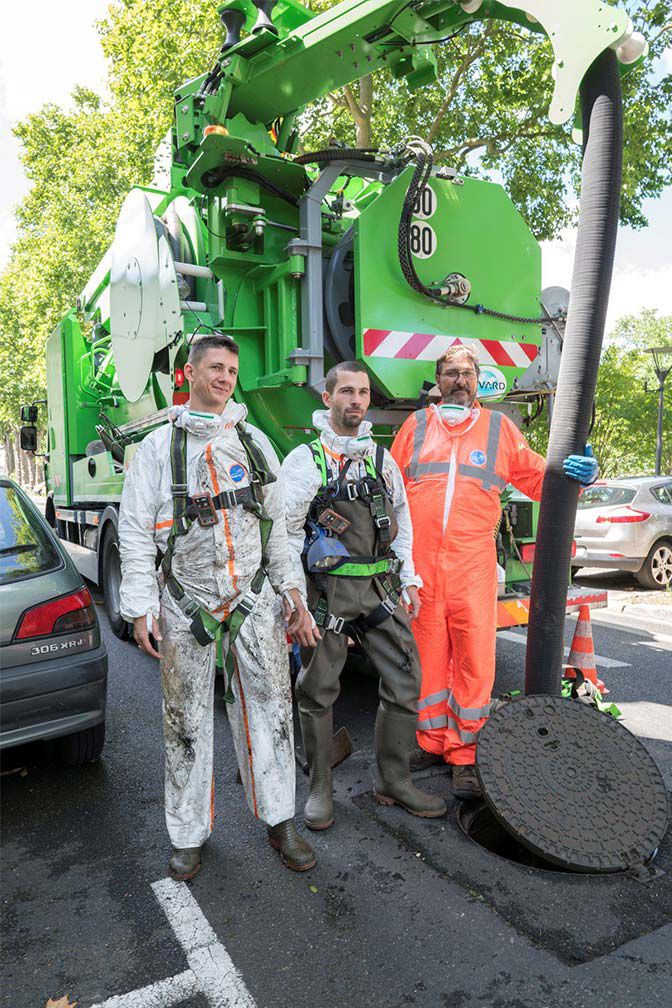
(398, 911)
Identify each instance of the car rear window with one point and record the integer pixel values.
(25, 547)
(605, 496)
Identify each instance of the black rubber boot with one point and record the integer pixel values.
(295, 852)
(395, 740)
(317, 730)
(185, 863)
(465, 783)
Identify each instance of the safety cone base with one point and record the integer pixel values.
(572, 785)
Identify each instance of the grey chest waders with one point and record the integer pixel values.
(205, 627)
(340, 507)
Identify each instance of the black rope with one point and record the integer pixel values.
(423, 155)
(337, 154)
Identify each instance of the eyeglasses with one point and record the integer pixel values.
(468, 375)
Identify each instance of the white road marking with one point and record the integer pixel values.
(599, 659)
(170, 991)
(211, 971)
(215, 973)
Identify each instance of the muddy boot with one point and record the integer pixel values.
(421, 759)
(295, 852)
(185, 863)
(395, 736)
(317, 731)
(465, 783)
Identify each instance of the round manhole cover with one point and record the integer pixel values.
(572, 784)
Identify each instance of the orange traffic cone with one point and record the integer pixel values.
(582, 651)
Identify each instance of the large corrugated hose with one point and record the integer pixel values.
(602, 117)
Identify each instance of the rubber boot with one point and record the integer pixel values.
(317, 730)
(395, 741)
(295, 852)
(185, 863)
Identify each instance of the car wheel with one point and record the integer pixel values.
(112, 584)
(657, 570)
(82, 747)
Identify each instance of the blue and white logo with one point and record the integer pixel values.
(491, 383)
(237, 473)
(478, 457)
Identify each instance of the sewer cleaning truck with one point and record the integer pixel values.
(311, 258)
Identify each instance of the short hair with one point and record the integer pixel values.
(453, 353)
(213, 341)
(350, 366)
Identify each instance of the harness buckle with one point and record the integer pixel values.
(179, 489)
(390, 604)
(383, 521)
(206, 513)
(256, 486)
(335, 623)
(351, 491)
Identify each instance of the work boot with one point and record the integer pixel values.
(421, 759)
(295, 852)
(394, 737)
(185, 863)
(316, 729)
(465, 783)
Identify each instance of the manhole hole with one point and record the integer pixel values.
(479, 824)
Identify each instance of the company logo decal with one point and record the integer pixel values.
(237, 473)
(478, 458)
(491, 383)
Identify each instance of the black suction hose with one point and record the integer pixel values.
(602, 118)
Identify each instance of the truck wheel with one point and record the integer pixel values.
(112, 583)
(657, 570)
(82, 747)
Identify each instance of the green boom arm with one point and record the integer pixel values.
(268, 75)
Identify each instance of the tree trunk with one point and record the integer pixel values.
(10, 458)
(363, 120)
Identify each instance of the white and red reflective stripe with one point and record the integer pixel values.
(395, 343)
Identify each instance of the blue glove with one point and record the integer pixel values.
(582, 468)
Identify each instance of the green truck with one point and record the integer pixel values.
(307, 259)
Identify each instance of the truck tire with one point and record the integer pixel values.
(656, 572)
(82, 747)
(111, 581)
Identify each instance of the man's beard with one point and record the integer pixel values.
(352, 422)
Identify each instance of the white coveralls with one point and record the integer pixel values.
(215, 566)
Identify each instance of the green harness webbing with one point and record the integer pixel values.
(205, 627)
(386, 568)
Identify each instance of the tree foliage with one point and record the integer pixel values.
(486, 114)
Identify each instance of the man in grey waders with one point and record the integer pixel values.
(347, 517)
(204, 491)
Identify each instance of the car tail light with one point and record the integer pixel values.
(624, 515)
(60, 615)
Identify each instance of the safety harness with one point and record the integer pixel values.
(371, 491)
(205, 627)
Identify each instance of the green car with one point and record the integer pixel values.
(53, 665)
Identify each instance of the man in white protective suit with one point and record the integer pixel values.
(203, 490)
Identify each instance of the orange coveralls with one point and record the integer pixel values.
(454, 477)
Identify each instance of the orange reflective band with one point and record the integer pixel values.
(164, 524)
(247, 733)
(227, 528)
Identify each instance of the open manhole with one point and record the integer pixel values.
(570, 786)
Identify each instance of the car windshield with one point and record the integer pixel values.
(25, 547)
(605, 496)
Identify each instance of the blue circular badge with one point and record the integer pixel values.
(237, 473)
(478, 458)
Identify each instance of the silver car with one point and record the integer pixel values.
(626, 524)
(53, 665)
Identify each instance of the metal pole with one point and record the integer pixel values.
(662, 375)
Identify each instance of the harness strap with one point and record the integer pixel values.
(358, 628)
(205, 627)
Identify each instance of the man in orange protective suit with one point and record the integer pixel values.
(456, 458)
